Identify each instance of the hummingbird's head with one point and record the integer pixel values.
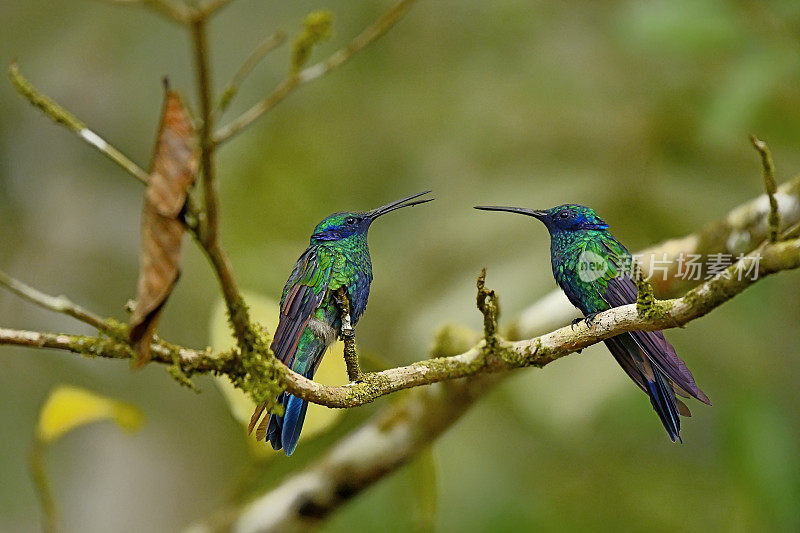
(340, 226)
(568, 217)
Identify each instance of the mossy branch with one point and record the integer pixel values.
(348, 336)
(490, 309)
(502, 355)
(208, 234)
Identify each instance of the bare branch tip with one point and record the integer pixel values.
(770, 186)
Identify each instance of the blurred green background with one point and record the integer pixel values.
(640, 109)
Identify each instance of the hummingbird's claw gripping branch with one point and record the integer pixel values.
(588, 320)
(348, 336)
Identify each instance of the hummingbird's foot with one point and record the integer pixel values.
(588, 320)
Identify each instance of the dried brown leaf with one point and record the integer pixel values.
(173, 172)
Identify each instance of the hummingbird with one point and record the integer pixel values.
(593, 270)
(310, 315)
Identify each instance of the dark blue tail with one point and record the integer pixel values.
(284, 431)
(662, 396)
(638, 365)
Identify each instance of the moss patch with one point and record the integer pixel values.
(260, 374)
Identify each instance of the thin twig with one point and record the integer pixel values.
(209, 232)
(176, 12)
(59, 304)
(768, 172)
(262, 50)
(370, 34)
(61, 116)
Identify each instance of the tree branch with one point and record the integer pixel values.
(366, 37)
(482, 358)
(209, 231)
(190, 361)
(746, 219)
(540, 351)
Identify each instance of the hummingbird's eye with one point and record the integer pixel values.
(350, 220)
(565, 214)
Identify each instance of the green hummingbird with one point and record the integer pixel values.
(593, 270)
(310, 319)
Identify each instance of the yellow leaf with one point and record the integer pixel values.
(70, 407)
(331, 370)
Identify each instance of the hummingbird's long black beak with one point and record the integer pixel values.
(404, 202)
(520, 210)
